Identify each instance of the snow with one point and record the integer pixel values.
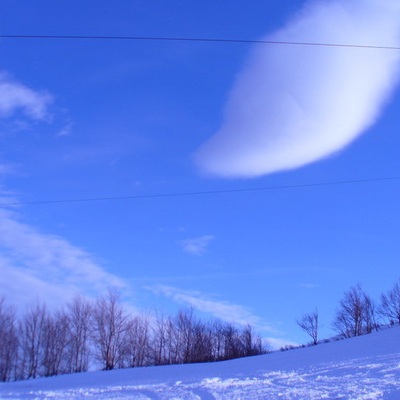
(366, 367)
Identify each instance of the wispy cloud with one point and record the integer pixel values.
(14, 96)
(277, 343)
(196, 246)
(307, 285)
(19, 106)
(65, 130)
(293, 105)
(223, 310)
(34, 264)
(7, 169)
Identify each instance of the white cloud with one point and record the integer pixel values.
(223, 310)
(38, 265)
(293, 105)
(65, 130)
(6, 169)
(277, 343)
(196, 246)
(15, 96)
(307, 285)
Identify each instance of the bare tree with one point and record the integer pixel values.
(356, 314)
(184, 322)
(390, 304)
(143, 341)
(369, 314)
(109, 327)
(309, 324)
(232, 343)
(202, 343)
(173, 344)
(252, 344)
(54, 343)
(137, 341)
(159, 340)
(46, 344)
(31, 332)
(79, 313)
(217, 333)
(8, 341)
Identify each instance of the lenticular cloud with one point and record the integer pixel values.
(293, 105)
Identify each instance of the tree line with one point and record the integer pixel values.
(357, 314)
(101, 333)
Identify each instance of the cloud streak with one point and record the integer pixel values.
(294, 105)
(16, 101)
(196, 246)
(223, 310)
(14, 96)
(34, 264)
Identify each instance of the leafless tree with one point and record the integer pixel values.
(192, 338)
(137, 341)
(217, 333)
(54, 343)
(202, 343)
(173, 344)
(309, 324)
(109, 328)
(43, 343)
(232, 342)
(184, 323)
(31, 332)
(370, 314)
(168, 339)
(356, 314)
(390, 304)
(79, 324)
(252, 343)
(159, 353)
(8, 341)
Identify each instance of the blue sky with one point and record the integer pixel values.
(83, 119)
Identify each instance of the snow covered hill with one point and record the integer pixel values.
(366, 367)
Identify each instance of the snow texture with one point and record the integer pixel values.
(366, 367)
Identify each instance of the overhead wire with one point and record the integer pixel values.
(201, 193)
(194, 39)
(204, 40)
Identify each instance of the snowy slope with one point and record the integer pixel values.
(366, 367)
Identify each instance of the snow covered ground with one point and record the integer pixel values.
(366, 367)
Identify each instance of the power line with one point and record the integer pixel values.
(202, 193)
(192, 39)
(206, 40)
